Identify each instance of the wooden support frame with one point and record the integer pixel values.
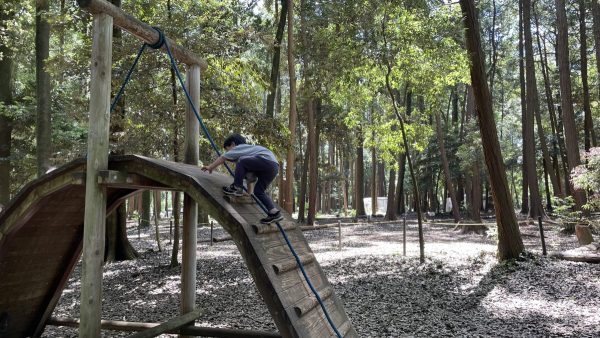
(97, 159)
(140, 29)
(105, 15)
(190, 207)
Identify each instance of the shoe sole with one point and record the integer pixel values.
(233, 193)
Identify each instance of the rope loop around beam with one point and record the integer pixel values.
(161, 39)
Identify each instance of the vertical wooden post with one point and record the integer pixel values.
(340, 234)
(404, 235)
(211, 232)
(97, 159)
(541, 225)
(190, 208)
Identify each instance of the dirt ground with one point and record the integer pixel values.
(460, 291)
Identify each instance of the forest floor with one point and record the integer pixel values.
(460, 291)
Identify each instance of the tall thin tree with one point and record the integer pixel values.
(42, 79)
(510, 244)
(588, 123)
(566, 98)
(535, 201)
(293, 116)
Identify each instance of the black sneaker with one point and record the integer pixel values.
(233, 190)
(276, 217)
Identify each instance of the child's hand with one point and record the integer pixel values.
(205, 168)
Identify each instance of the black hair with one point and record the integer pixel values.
(235, 139)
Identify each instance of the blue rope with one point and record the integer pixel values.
(127, 78)
(159, 43)
(162, 41)
(212, 142)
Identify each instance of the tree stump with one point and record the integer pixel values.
(584, 234)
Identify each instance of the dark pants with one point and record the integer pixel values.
(265, 171)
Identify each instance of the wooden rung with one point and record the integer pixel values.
(342, 329)
(246, 199)
(291, 264)
(311, 301)
(269, 228)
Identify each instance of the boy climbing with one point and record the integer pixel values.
(254, 159)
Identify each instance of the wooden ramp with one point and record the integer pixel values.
(41, 233)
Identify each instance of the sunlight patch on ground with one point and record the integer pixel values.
(525, 304)
(168, 287)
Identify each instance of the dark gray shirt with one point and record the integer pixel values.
(249, 150)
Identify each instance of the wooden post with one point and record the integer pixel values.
(95, 195)
(404, 235)
(542, 236)
(190, 208)
(340, 234)
(211, 233)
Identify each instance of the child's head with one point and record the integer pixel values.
(234, 140)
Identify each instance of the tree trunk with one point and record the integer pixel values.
(293, 118)
(156, 198)
(117, 249)
(446, 168)
(373, 179)
(526, 159)
(6, 98)
(555, 171)
(562, 57)
(390, 213)
(596, 30)
(276, 58)
(303, 183)
(590, 136)
(146, 201)
(42, 80)
(313, 162)
(360, 174)
(510, 244)
(535, 201)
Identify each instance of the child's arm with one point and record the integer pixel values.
(220, 160)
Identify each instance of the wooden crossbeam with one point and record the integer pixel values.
(141, 30)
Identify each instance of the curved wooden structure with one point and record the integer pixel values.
(41, 241)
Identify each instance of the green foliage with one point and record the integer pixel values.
(587, 178)
(564, 209)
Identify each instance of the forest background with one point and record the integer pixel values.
(350, 95)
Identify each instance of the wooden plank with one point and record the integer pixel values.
(315, 324)
(343, 329)
(292, 263)
(291, 279)
(58, 288)
(283, 254)
(246, 199)
(273, 239)
(97, 159)
(169, 325)
(141, 30)
(272, 227)
(119, 179)
(292, 294)
(310, 302)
